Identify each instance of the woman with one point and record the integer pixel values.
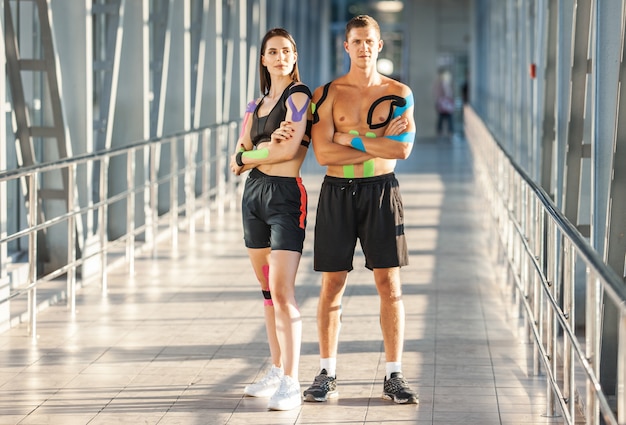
(273, 144)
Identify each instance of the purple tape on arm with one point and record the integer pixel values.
(296, 113)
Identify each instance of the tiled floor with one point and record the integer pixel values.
(176, 342)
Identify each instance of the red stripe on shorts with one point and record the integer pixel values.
(303, 203)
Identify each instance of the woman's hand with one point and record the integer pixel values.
(283, 133)
(234, 167)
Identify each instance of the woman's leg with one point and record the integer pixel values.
(282, 278)
(260, 259)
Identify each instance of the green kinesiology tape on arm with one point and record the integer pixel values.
(257, 153)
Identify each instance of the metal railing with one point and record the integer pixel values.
(540, 249)
(168, 185)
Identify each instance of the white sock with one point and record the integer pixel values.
(393, 367)
(330, 364)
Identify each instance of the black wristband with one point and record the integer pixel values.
(238, 159)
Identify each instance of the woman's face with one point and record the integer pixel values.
(279, 57)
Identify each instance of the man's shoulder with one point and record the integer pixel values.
(397, 87)
(326, 86)
(326, 90)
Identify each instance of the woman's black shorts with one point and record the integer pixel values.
(274, 211)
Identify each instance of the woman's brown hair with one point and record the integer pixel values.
(264, 74)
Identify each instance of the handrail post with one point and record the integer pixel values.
(206, 176)
(102, 224)
(32, 256)
(220, 172)
(190, 193)
(174, 192)
(570, 314)
(130, 211)
(621, 368)
(540, 254)
(155, 152)
(592, 344)
(71, 240)
(232, 179)
(550, 325)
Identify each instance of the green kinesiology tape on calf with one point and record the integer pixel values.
(257, 153)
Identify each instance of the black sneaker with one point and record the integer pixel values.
(323, 388)
(397, 389)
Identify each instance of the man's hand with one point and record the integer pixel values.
(397, 126)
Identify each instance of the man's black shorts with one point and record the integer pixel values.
(369, 209)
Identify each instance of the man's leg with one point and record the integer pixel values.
(391, 311)
(328, 326)
(329, 312)
(389, 288)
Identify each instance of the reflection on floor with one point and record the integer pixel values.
(176, 342)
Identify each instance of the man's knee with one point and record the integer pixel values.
(333, 282)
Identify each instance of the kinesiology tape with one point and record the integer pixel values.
(267, 295)
(256, 153)
(407, 137)
(402, 109)
(368, 169)
(357, 142)
(296, 114)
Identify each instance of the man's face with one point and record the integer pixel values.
(363, 45)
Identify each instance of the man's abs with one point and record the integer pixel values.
(370, 168)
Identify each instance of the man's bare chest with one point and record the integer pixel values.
(369, 111)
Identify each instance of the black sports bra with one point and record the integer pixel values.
(262, 127)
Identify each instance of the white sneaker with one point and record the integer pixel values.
(287, 396)
(267, 385)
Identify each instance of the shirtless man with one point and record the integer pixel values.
(363, 122)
